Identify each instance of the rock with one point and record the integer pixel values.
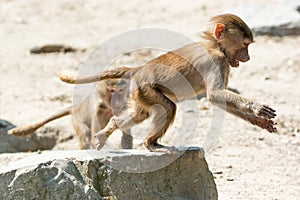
(44, 139)
(122, 174)
(274, 18)
(53, 48)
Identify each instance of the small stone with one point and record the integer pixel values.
(219, 172)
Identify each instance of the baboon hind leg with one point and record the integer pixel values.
(123, 122)
(84, 135)
(99, 122)
(127, 139)
(163, 111)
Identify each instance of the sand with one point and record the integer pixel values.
(247, 162)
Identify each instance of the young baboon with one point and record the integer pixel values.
(204, 66)
(92, 114)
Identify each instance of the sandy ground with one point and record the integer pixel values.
(247, 162)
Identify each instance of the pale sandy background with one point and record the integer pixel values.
(248, 163)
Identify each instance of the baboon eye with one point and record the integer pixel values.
(121, 90)
(112, 90)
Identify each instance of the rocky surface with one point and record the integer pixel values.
(124, 174)
(44, 139)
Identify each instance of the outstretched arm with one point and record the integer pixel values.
(257, 114)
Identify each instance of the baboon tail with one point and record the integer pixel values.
(121, 72)
(27, 130)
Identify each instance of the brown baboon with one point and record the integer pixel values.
(157, 82)
(92, 114)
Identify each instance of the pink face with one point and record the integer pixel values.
(233, 43)
(239, 53)
(118, 100)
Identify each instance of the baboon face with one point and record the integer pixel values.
(119, 95)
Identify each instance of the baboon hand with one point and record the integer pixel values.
(263, 122)
(102, 137)
(264, 115)
(266, 112)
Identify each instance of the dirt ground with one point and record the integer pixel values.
(247, 162)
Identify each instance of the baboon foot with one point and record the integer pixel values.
(155, 147)
(126, 142)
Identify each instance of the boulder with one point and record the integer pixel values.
(118, 174)
(45, 138)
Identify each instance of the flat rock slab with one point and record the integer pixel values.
(122, 174)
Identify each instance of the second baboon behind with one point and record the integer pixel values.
(91, 115)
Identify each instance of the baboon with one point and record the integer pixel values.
(92, 114)
(204, 65)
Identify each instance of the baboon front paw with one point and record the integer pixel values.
(101, 140)
(264, 111)
(264, 123)
(126, 141)
(267, 112)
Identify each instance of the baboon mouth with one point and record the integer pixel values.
(234, 63)
(237, 62)
(117, 111)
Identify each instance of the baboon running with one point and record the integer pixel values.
(226, 44)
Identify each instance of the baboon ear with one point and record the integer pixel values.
(219, 31)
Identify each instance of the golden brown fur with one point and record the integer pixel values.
(205, 66)
(91, 115)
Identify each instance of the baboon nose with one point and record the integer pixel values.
(245, 59)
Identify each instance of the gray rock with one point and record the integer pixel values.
(123, 174)
(45, 138)
(274, 18)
